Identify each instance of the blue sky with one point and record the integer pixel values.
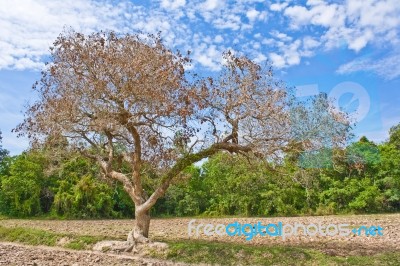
(348, 49)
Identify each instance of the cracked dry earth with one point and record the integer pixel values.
(177, 229)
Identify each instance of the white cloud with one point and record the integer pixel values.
(23, 63)
(360, 42)
(314, 2)
(231, 21)
(327, 15)
(288, 51)
(252, 14)
(29, 27)
(174, 4)
(387, 67)
(310, 43)
(209, 57)
(278, 7)
(292, 55)
(230, 15)
(320, 14)
(211, 4)
(277, 60)
(259, 58)
(309, 46)
(356, 22)
(218, 39)
(352, 23)
(280, 35)
(299, 15)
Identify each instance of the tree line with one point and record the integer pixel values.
(364, 177)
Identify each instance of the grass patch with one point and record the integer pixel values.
(240, 254)
(40, 237)
(83, 242)
(28, 236)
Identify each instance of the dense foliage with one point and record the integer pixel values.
(363, 178)
(32, 185)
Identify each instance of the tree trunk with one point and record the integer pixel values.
(138, 235)
(140, 231)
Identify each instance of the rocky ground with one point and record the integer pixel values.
(177, 228)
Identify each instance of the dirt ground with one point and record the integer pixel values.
(17, 254)
(177, 229)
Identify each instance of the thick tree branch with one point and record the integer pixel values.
(186, 161)
(137, 160)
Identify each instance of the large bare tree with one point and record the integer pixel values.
(128, 98)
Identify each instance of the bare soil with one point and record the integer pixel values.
(18, 254)
(177, 229)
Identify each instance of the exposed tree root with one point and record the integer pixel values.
(138, 244)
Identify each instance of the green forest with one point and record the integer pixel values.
(362, 178)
